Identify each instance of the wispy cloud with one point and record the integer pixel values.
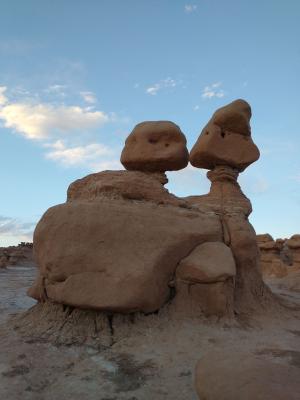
(3, 98)
(56, 89)
(77, 155)
(89, 97)
(16, 229)
(189, 8)
(213, 90)
(65, 132)
(163, 84)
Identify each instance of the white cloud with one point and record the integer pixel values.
(14, 229)
(57, 90)
(189, 8)
(213, 90)
(3, 98)
(113, 164)
(50, 122)
(196, 107)
(89, 97)
(37, 121)
(77, 155)
(163, 84)
(153, 89)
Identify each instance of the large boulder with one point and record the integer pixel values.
(103, 251)
(155, 146)
(226, 139)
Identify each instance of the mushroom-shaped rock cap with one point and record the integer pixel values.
(155, 146)
(226, 139)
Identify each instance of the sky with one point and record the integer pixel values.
(77, 75)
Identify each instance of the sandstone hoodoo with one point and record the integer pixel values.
(226, 139)
(122, 243)
(155, 146)
(225, 147)
(13, 255)
(270, 258)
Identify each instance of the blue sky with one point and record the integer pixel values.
(77, 75)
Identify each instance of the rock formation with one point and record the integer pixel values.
(122, 243)
(270, 259)
(117, 241)
(155, 146)
(13, 255)
(294, 246)
(225, 147)
(226, 139)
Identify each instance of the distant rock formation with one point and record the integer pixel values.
(278, 257)
(123, 244)
(294, 246)
(270, 259)
(13, 255)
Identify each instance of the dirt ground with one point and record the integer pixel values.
(156, 362)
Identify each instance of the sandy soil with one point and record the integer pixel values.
(155, 360)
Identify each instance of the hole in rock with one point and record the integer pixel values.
(152, 141)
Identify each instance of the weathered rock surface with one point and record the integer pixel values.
(269, 374)
(129, 185)
(226, 139)
(12, 255)
(155, 146)
(114, 254)
(208, 262)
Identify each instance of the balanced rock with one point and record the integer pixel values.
(155, 146)
(226, 139)
(123, 243)
(226, 148)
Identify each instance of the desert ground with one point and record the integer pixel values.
(155, 359)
